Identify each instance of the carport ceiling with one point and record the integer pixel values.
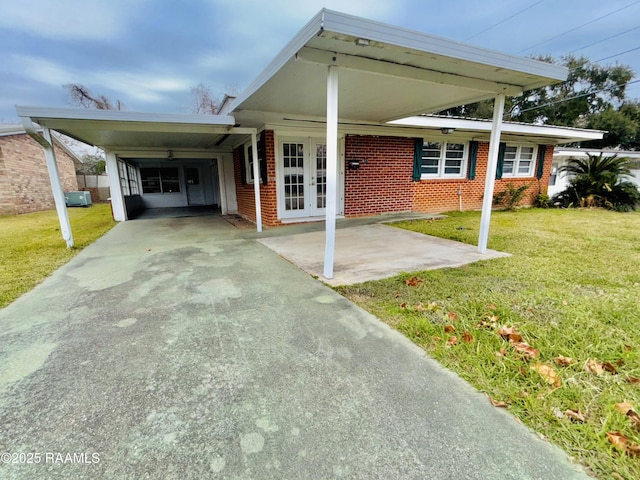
(116, 130)
(386, 72)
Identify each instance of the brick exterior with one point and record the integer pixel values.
(268, 193)
(24, 180)
(435, 196)
(384, 183)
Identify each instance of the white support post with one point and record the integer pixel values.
(56, 187)
(256, 180)
(494, 146)
(222, 187)
(115, 189)
(332, 170)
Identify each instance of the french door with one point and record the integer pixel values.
(303, 177)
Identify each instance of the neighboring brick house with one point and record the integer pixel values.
(24, 179)
(395, 172)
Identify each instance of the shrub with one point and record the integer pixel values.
(510, 197)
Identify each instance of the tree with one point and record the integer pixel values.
(202, 100)
(599, 181)
(92, 165)
(590, 89)
(621, 129)
(82, 96)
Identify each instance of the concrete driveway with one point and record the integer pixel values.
(182, 348)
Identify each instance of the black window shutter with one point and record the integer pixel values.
(243, 166)
(473, 158)
(542, 150)
(417, 158)
(262, 156)
(501, 149)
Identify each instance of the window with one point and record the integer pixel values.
(122, 175)
(160, 180)
(443, 160)
(248, 162)
(134, 188)
(519, 161)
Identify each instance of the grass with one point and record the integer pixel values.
(571, 288)
(31, 246)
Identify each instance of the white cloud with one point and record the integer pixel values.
(74, 19)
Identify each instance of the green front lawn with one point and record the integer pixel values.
(31, 246)
(571, 289)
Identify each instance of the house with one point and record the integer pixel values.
(24, 181)
(336, 125)
(559, 181)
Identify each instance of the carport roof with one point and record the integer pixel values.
(118, 131)
(386, 72)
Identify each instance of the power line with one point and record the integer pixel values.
(502, 21)
(580, 26)
(618, 54)
(578, 96)
(605, 39)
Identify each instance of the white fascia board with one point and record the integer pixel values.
(371, 30)
(578, 152)
(121, 116)
(514, 128)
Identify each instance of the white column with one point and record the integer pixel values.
(494, 145)
(332, 169)
(222, 186)
(56, 187)
(117, 199)
(256, 180)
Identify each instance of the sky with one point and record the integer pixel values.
(150, 53)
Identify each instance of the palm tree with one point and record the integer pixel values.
(599, 181)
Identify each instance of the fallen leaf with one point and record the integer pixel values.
(492, 306)
(628, 348)
(452, 341)
(618, 440)
(398, 295)
(557, 412)
(565, 303)
(496, 403)
(509, 333)
(594, 366)
(610, 367)
(623, 407)
(452, 316)
(485, 324)
(467, 337)
(616, 476)
(525, 349)
(575, 415)
(502, 352)
(523, 394)
(413, 281)
(419, 308)
(403, 305)
(449, 329)
(633, 380)
(548, 373)
(493, 318)
(563, 361)
(634, 417)
(633, 450)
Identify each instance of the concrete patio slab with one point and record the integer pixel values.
(180, 349)
(374, 252)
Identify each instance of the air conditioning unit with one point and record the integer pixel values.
(78, 199)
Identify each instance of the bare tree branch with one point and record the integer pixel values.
(202, 100)
(82, 96)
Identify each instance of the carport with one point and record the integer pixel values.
(338, 70)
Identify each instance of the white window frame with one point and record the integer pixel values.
(518, 159)
(248, 162)
(442, 161)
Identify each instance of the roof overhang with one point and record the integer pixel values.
(130, 132)
(510, 130)
(386, 72)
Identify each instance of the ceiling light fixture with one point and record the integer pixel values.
(170, 155)
(362, 42)
(447, 130)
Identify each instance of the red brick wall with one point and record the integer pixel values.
(435, 196)
(24, 180)
(383, 184)
(268, 193)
